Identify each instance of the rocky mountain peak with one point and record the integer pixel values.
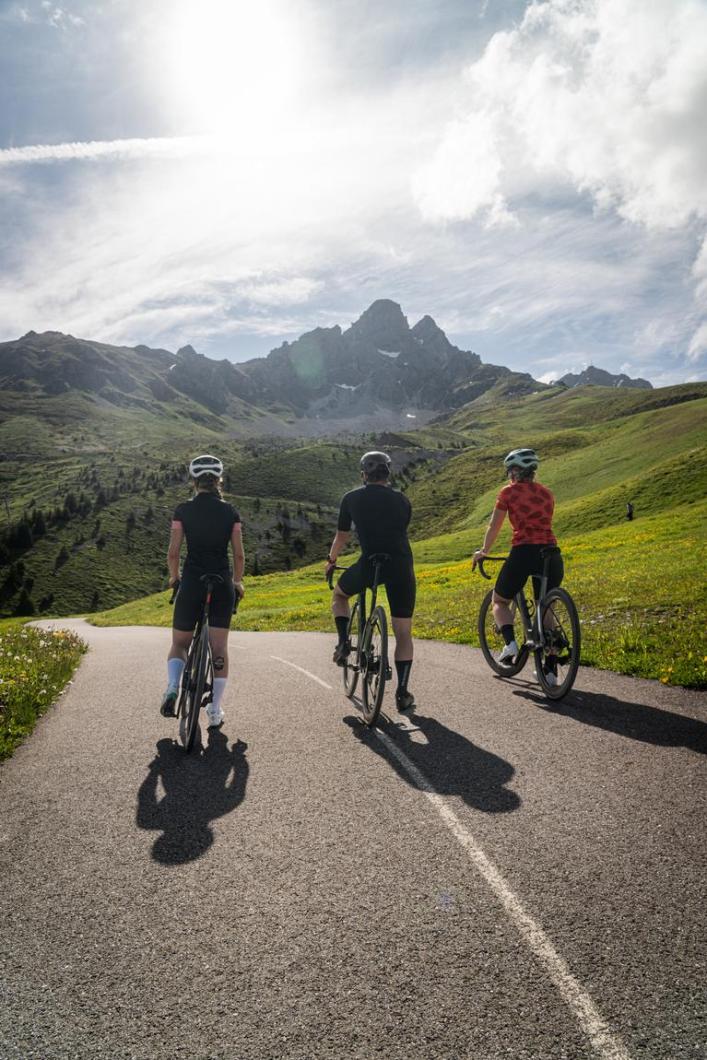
(593, 376)
(383, 324)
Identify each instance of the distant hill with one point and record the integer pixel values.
(377, 373)
(592, 376)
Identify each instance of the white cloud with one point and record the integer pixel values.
(294, 290)
(111, 150)
(607, 96)
(698, 343)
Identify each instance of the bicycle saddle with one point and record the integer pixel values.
(215, 578)
(378, 557)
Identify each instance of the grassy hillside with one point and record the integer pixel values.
(639, 588)
(98, 517)
(655, 458)
(81, 530)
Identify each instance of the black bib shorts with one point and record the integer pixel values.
(190, 600)
(525, 561)
(398, 576)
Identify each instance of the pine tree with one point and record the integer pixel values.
(62, 557)
(25, 604)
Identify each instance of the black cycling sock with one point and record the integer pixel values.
(508, 634)
(342, 627)
(403, 669)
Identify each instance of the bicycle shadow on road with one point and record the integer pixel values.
(451, 764)
(198, 788)
(637, 721)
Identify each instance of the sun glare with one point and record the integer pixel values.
(236, 66)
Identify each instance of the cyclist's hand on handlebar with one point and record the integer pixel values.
(173, 583)
(240, 589)
(479, 554)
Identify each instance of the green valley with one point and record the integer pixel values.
(90, 478)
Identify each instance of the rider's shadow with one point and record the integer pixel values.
(450, 763)
(198, 788)
(637, 721)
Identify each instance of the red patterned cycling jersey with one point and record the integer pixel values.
(530, 506)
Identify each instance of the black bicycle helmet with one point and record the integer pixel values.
(375, 461)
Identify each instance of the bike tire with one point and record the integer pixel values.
(194, 691)
(374, 664)
(350, 669)
(492, 642)
(565, 611)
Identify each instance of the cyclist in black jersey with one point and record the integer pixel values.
(381, 516)
(209, 524)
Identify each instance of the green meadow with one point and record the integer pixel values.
(35, 666)
(639, 588)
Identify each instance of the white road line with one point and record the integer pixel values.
(302, 671)
(606, 1044)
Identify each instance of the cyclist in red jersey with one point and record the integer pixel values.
(530, 507)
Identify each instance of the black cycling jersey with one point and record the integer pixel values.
(207, 522)
(381, 516)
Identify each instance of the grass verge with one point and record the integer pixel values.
(639, 588)
(35, 666)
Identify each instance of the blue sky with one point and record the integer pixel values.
(231, 174)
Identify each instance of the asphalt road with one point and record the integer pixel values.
(496, 878)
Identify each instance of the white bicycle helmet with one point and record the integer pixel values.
(526, 459)
(206, 465)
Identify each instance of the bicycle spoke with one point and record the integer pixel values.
(558, 660)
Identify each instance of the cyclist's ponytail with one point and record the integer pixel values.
(523, 474)
(209, 484)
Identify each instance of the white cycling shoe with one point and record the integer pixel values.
(214, 716)
(507, 656)
(550, 678)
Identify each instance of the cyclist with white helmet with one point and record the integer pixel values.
(381, 516)
(208, 523)
(530, 507)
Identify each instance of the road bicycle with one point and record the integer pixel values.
(197, 685)
(368, 637)
(551, 631)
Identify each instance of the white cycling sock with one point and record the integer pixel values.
(219, 689)
(175, 669)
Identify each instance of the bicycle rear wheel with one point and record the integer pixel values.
(193, 688)
(351, 665)
(374, 664)
(556, 664)
(492, 642)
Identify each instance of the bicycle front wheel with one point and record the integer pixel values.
(193, 688)
(557, 662)
(492, 642)
(351, 665)
(374, 664)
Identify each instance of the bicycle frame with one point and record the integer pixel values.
(362, 611)
(534, 633)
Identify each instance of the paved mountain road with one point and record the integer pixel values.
(496, 878)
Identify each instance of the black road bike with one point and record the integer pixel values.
(550, 627)
(197, 687)
(368, 637)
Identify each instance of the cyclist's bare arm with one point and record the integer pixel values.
(175, 544)
(238, 557)
(492, 532)
(341, 540)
